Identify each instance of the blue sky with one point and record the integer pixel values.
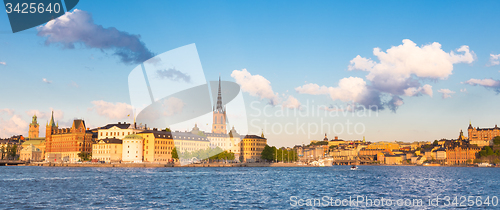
(289, 43)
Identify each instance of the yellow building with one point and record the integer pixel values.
(158, 145)
(39, 143)
(107, 150)
(388, 146)
(34, 129)
(482, 136)
(251, 147)
(30, 153)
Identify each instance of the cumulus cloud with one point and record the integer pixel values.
(446, 93)
(11, 124)
(463, 90)
(111, 110)
(172, 106)
(46, 81)
(413, 91)
(3, 63)
(291, 103)
(255, 85)
(494, 60)
(487, 83)
(401, 67)
(78, 27)
(351, 89)
(173, 74)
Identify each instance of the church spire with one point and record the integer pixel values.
(219, 99)
(52, 120)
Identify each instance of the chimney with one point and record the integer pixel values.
(119, 123)
(336, 138)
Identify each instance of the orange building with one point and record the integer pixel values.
(64, 144)
(34, 129)
(460, 151)
(483, 136)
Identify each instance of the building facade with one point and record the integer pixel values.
(107, 150)
(158, 145)
(132, 148)
(63, 145)
(189, 142)
(482, 136)
(30, 153)
(251, 147)
(118, 130)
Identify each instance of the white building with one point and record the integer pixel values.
(132, 148)
(189, 142)
(118, 131)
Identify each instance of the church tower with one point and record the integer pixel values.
(34, 128)
(219, 115)
(49, 130)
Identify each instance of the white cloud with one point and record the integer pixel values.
(494, 60)
(351, 89)
(3, 63)
(73, 83)
(413, 91)
(446, 93)
(487, 83)
(111, 110)
(400, 67)
(172, 106)
(291, 103)
(463, 90)
(46, 81)
(255, 85)
(11, 124)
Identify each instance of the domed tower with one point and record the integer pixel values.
(219, 115)
(34, 128)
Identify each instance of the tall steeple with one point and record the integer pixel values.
(52, 120)
(219, 107)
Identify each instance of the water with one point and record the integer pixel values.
(241, 188)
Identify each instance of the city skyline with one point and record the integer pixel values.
(294, 56)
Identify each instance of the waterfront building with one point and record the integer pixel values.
(158, 145)
(118, 130)
(107, 150)
(335, 142)
(394, 159)
(251, 147)
(132, 148)
(64, 144)
(189, 142)
(38, 143)
(30, 153)
(34, 128)
(460, 151)
(482, 136)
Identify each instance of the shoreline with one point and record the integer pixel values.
(220, 165)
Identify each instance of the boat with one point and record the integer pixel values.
(483, 165)
(354, 167)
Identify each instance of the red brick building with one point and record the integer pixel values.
(64, 144)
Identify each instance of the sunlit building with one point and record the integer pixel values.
(158, 145)
(64, 144)
(107, 150)
(482, 136)
(251, 147)
(132, 148)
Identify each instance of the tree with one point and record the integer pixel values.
(469, 161)
(168, 129)
(436, 142)
(174, 154)
(85, 156)
(477, 161)
(12, 152)
(267, 153)
(3, 152)
(496, 140)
